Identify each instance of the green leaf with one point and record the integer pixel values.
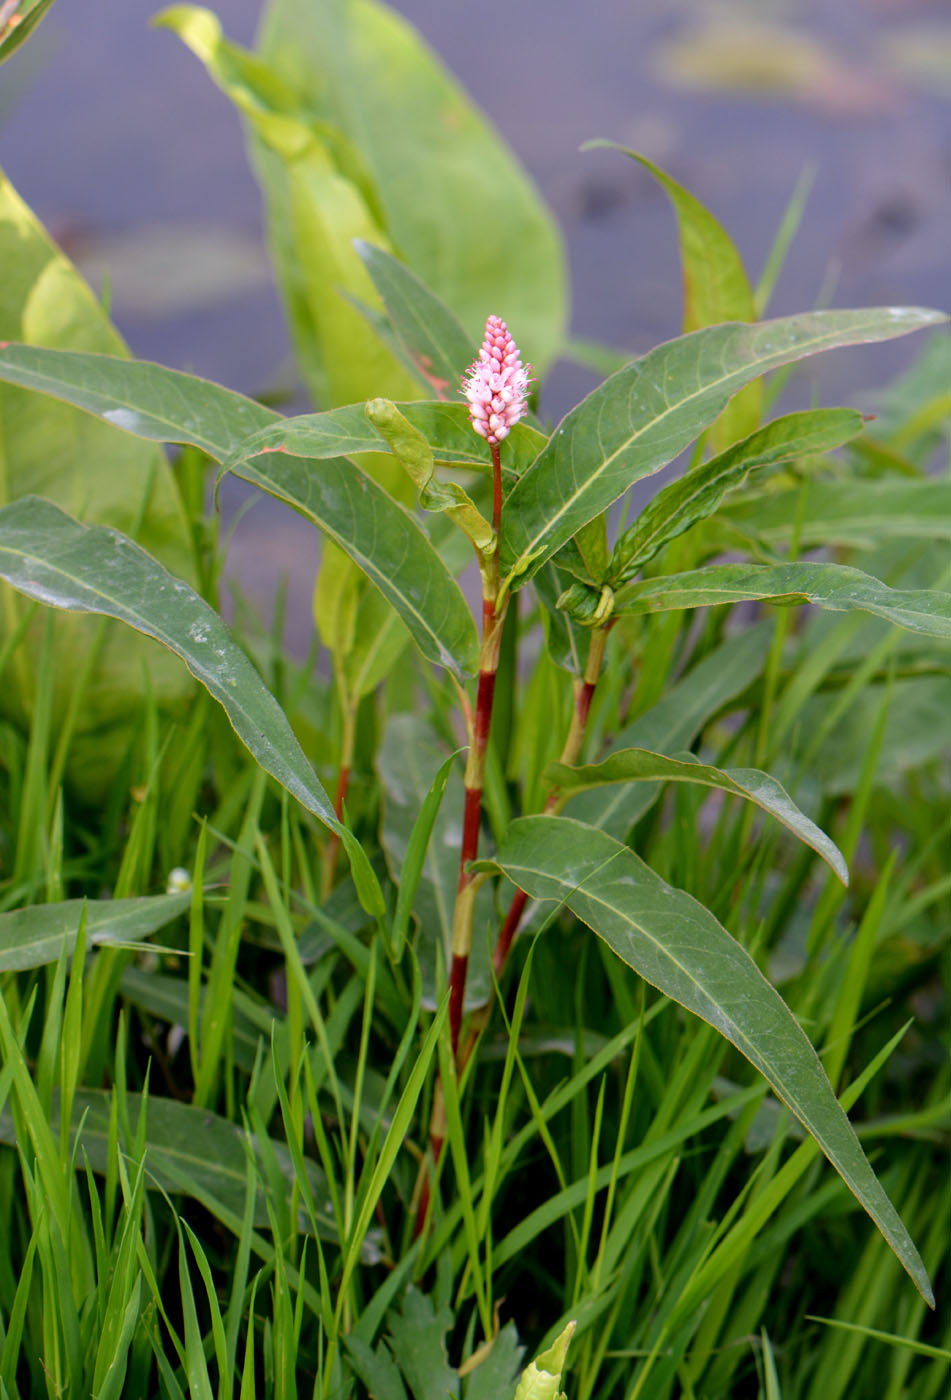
(716, 287)
(347, 432)
(680, 948)
(376, 1369)
(454, 201)
(831, 586)
(188, 1150)
(384, 540)
(91, 470)
(674, 722)
(149, 401)
(37, 935)
(645, 415)
(698, 493)
(47, 555)
(438, 347)
(643, 766)
(27, 18)
(417, 1338)
(496, 1375)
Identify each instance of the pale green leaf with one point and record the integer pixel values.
(454, 201)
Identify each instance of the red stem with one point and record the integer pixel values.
(343, 780)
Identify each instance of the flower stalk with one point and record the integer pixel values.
(496, 388)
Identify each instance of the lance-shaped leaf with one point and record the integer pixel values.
(189, 1150)
(319, 196)
(644, 766)
(438, 347)
(646, 414)
(17, 27)
(698, 493)
(716, 287)
(831, 586)
(387, 544)
(679, 947)
(149, 401)
(346, 432)
(49, 556)
(37, 935)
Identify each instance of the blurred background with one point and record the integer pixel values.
(113, 133)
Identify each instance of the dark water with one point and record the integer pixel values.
(115, 136)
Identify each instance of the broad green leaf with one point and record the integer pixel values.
(347, 432)
(409, 761)
(47, 555)
(91, 470)
(385, 541)
(830, 586)
(319, 198)
(645, 415)
(188, 1150)
(699, 492)
(149, 401)
(440, 350)
(851, 512)
(454, 201)
(37, 935)
(674, 722)
(16, 28)
(716, 287)
(643, 766)
(680, 948)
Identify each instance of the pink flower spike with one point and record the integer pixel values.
(496, 384)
